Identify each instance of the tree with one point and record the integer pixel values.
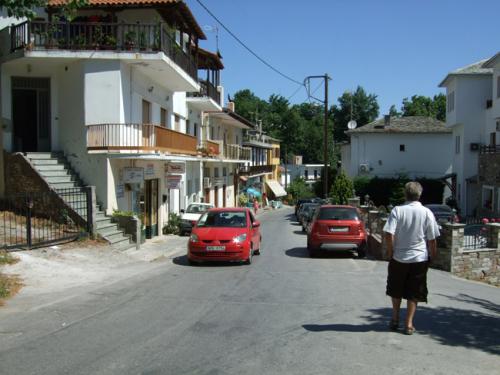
(25, 8)
(365, 109)
(393, 112)
(420, 105)
(342, 189)
(298, 189)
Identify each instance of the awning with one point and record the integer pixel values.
(276, 188)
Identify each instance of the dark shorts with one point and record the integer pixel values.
(407, 280)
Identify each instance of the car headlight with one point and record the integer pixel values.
(193, 238)
(240, 238)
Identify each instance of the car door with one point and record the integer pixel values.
(255, 231)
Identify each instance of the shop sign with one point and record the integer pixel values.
(133, 175)
(150, 170)
(173, 181)
(179, 168)
(120, 191)
(218, 181)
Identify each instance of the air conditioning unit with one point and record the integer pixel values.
(364, 168)
(474, 146)
(207, 183)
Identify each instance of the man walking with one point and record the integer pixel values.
(411, 232)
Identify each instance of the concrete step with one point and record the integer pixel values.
(50, 167)
(109, 231)
(55, 173)
(123, 244)
(43, 155)
(51, 161)
(116, 237)
(64, 185)
(104, 225)
(57, 179)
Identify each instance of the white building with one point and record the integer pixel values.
(413, 146)
(109, 90)
(470, 116)
(309, 172)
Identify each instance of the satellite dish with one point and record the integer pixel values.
(352, 124)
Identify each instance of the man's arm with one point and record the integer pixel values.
(389, 239)
(432, 246)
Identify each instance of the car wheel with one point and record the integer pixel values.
(312, 251)
(250, 256)
(257, 252)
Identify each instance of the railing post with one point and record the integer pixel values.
(91, 211)
(29, 205)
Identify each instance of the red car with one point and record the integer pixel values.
(336, 228)
(225, 234)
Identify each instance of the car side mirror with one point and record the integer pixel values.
(182, 211)
(256, 224)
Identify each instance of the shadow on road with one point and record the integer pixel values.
(302, 252)
(299, 232)
(183, 261)
(450, 326)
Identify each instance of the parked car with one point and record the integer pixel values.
(300, 202)
(307, 215)
(190, 216)
(225, 234)
(443, 213)
(336, 227)
(304, 207)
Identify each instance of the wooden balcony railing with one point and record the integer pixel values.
(118, 37)
(209, 148)
(139, 137)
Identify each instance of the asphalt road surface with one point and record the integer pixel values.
(284, 314)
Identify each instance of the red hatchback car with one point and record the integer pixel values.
(225, 234)
(336, 228)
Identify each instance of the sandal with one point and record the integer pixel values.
(394, 325)
(409, 331)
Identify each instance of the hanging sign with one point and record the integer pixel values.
(173, 181)
(179, 168)
(133, 175)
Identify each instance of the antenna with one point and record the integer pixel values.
(213, 29)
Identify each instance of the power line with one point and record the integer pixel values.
(295, 92)
(248, 48)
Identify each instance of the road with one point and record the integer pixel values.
(284, 314)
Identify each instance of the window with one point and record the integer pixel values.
(163, 117)
(189, 187)
(498, 87)
(457, 144)
(493, 139)
(487, 199)
(188, 127)
(306, 174)
(206, 172)
(402, 148)
(146, 112)
(237, 140)
(451, 101)
(216, 172)
(177, 125)
(224, 172)
(315, 174)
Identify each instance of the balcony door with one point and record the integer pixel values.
(31, 114)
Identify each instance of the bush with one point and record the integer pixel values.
(173, 224)
(342, 189)
(298, 189)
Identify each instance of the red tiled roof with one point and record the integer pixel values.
(57, 3)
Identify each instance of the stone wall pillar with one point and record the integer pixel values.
(355, 202)
(493, 235)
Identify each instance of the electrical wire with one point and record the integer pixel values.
(248, 48)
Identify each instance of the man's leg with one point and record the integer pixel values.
(396, 306)
(410, 313)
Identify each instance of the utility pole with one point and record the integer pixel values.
(325, 78)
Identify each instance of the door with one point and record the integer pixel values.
(31, 114)
(151, 207)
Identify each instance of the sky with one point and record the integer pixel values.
(392, 48)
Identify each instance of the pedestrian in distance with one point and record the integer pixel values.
(410, 233)
(255, 205)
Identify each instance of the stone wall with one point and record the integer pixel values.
(489, 174)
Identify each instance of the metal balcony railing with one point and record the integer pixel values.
(208, 90)
(118, 37)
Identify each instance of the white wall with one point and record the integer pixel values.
(425, 155)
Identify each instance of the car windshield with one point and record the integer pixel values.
(231, 219)
(338, 213)
(197, 208)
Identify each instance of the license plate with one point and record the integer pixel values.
(339, 229)
(216, 248)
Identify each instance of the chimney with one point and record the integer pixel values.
(387, 120)
(230, 106)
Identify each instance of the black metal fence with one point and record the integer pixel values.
(29, 220)
(475, 236)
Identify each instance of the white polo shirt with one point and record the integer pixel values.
(412, 225)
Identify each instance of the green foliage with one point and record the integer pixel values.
(318, 186)
(393, 112)
(173, 224)
(25, 8)
(342, 189)
(298, 189)
(6, 258)
(118, 213)
(365, 109)
(242, 200)
(420, 105)
(385, 191)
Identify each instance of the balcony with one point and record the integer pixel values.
(256, 170)
(138, 138)
(226, 151)
(115, 37)
(207, 99)
(209, 148)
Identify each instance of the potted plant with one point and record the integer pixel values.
(143, 41)
(109, 42)
(130, 38)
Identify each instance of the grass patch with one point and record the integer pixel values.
(6, 258)
(9, 286)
